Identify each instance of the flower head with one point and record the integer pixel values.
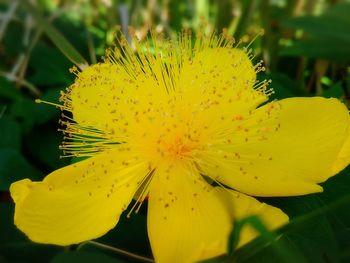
(183, 126)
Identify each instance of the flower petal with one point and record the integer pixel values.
(78, 202)
(220, 81)
(111, 99)
(190, 220)
(244, 206)
(95, 94)
(283, 148)
(343, 158)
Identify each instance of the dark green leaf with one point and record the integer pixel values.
(282, 86)
(325, 48)
(15, 247)
(130, 233)
(178, 11)
(225, 16)
(14, 167)
(23, 111)
(13, 43)
(10, 133)
(43, 146)
(335, 189)
(84, 257)
(310, 232)
(56, 37)
(335, 91)
(279, 250)
(328, 35)
(8, 90)
(8, 232)
(323, 26)
(49, 67)
(28, 113)
(44, 112)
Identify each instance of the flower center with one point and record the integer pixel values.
(178, 149)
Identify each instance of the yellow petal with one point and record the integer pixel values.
(96, 93)
(343, 159)
(219, 81)
(109, 98)
(282, 149)
(243, 206)
(190, 220)
(78, 202)
(184, 214)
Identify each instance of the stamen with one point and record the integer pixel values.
(62, 107)
(145, 183)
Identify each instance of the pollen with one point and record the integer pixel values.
(179, 148)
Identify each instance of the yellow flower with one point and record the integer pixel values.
(181, 126)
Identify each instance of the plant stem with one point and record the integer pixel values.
(118, 251)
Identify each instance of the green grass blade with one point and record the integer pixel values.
(56, 37)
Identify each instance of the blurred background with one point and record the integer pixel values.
(306, 50)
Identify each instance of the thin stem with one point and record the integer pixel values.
(34, 90)
(117, 250)
(7, 17)
(246, 16)
(91, 46)
(3, 111)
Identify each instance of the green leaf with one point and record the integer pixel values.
(328, 35)
(23, 111)
(14, 167)
(279, 249)
(8, 232)
(56, 37)
(28, 113)
(282, 86)
(239, 225)
(8, 90)
(309, 232)
(335, 91)
(326, 26)
(15, 246)
(84, 257)
(43, 145)
(248, 9)
(52, 74)
(177, 11)
(12, 42)
(10, 133)
(130, 234)
(335, 189)
(43, 112)
(225, 14)
(315, 47)
(28, 252)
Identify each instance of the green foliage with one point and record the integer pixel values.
(15, 247)
(14, 167)
(87, 257)
(35, 62)
(56, 37)
(8, 90)
(10, 133)
(327, 36)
